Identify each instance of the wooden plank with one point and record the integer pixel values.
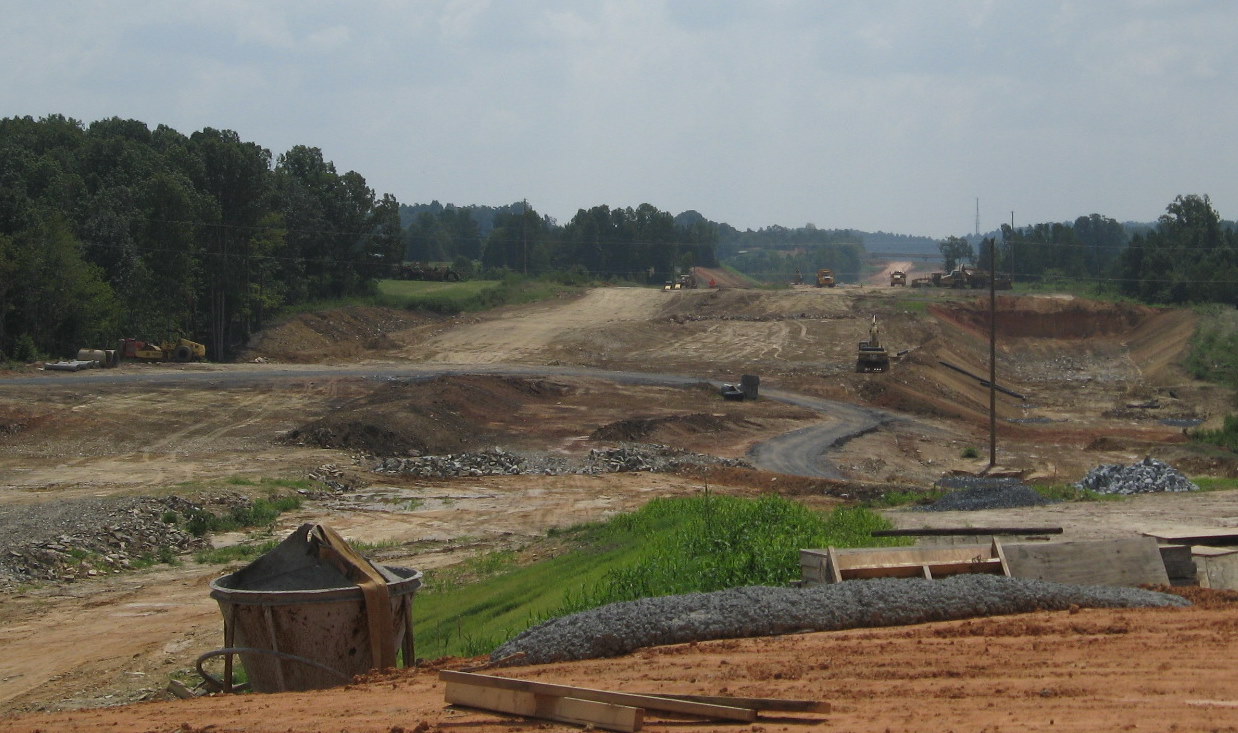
(1133, 561)
(772, 704)
(929, 555)
(649, 702)
(962, 531)
(549, 707)
(1197, 536)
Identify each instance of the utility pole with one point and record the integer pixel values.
(524, 242)
(992, 352)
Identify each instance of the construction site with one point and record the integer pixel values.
(439, 439)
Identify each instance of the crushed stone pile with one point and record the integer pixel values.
(498, 462)
(1145, 477)
(620, 628)
(72, 540)
(974, 493)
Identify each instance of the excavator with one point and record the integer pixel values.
(872, 357)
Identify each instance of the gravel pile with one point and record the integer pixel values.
(70, 540)
(498, 462)
(974, 493)
(620, 628)
(1145, 477)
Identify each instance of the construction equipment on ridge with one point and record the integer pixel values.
(872, 356)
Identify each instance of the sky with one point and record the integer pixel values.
(869, 115)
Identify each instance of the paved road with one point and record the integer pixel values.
(801, 452)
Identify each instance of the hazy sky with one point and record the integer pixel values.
(870, 115)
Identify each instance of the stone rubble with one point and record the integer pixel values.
(498, 462)
(1145, 477)
(90, 538)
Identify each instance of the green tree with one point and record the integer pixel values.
(954, 252)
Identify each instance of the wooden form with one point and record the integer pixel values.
(1132, 561)
(833, 565)
(1217, 566)
(1209, 536)
(964, 531)
(611, 710)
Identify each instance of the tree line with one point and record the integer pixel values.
(114, 229)
(1190, 254)
(641, 244)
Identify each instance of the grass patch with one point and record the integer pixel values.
(1070, 492)
(920, 497)
(468, 295)
(670, 546)
(1215, 483)
(259, 512)
(244, 552)
(1213, 353)
(1226, 437)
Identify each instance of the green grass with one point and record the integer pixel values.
(1215, 483)
(670, 546)
(1214, 347)
(1226, 437)
(467, 295)
(892, 499)
(257, 513)
(244, 552)
(1069, 492)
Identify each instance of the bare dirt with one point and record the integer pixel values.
(1099, 382)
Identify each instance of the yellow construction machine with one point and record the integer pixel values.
(825, 278)
(872, 356)
(180, 350)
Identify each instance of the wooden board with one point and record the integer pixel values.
(834, 565)
(648, 702)
(1217, 567)
(1133, 561)
(778, 704)
(1212, 536)
(561, 709)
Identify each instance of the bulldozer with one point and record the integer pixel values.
(872, 356)
(180, 350)
(898, 277)
(825, 278)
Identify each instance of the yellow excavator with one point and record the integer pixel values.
(872, 357)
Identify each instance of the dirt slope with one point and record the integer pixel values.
(1088, 671)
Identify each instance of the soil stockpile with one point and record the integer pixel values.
(620, 628)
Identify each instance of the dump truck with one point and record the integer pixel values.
(825, 278)
(180, 350)
(872, 356)
(898, 277)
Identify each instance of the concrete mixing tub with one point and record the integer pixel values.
(293, 637)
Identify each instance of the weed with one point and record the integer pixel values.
(970, 452)
(903, 498)
(1215, 483)
(259, 512)
(1226, 437)
(1070, 492)
(234, 553)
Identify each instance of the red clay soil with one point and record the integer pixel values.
(1084, 670)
